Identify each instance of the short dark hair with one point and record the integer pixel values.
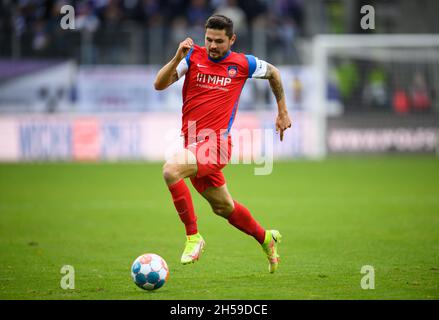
(220, 22)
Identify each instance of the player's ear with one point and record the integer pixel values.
(233, 39)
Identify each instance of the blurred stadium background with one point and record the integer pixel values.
(349, 89)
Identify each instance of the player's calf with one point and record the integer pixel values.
(220, 200)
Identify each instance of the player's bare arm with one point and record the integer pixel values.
(283, 120)
(168, 74)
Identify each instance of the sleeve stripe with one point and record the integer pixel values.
(188, 57)
(251, 65)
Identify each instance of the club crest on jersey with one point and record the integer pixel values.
(232, 71)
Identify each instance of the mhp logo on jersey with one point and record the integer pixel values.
(232, 71)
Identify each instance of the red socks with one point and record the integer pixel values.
(183, 203)
(239, 218)
(243, 220)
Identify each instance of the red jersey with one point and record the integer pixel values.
(212, 88)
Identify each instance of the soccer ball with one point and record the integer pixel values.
(149, 271)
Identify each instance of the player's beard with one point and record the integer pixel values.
(216, 54)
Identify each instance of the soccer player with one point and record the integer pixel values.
(214, 78)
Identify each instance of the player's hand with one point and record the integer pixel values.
(184, 48)
(283, 122)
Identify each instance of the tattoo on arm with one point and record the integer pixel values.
(276, 87)
(275, 83)
(269, 73)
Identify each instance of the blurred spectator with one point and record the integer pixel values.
(289, 11)
(297, 88)
(336, 13)
(375, 89)
(85, 18)
(132, 10)
(400, 101)
(197, 13)
(419, 94)
(348, 78)
(152, 13)
(173, 9)
(333, 95)
(284, 18)
(112, 14)
(253, 9)
(178, 32)
(41, 38)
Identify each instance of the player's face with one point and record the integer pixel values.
(218, 43)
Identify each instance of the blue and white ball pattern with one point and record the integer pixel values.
(149, 271)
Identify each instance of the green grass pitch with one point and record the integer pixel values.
(335, 215)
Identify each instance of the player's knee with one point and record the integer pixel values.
(223, 209)
(171, 173)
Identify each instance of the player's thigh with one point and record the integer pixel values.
(220, 200)
(181, 165)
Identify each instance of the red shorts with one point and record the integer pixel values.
(212, 156)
